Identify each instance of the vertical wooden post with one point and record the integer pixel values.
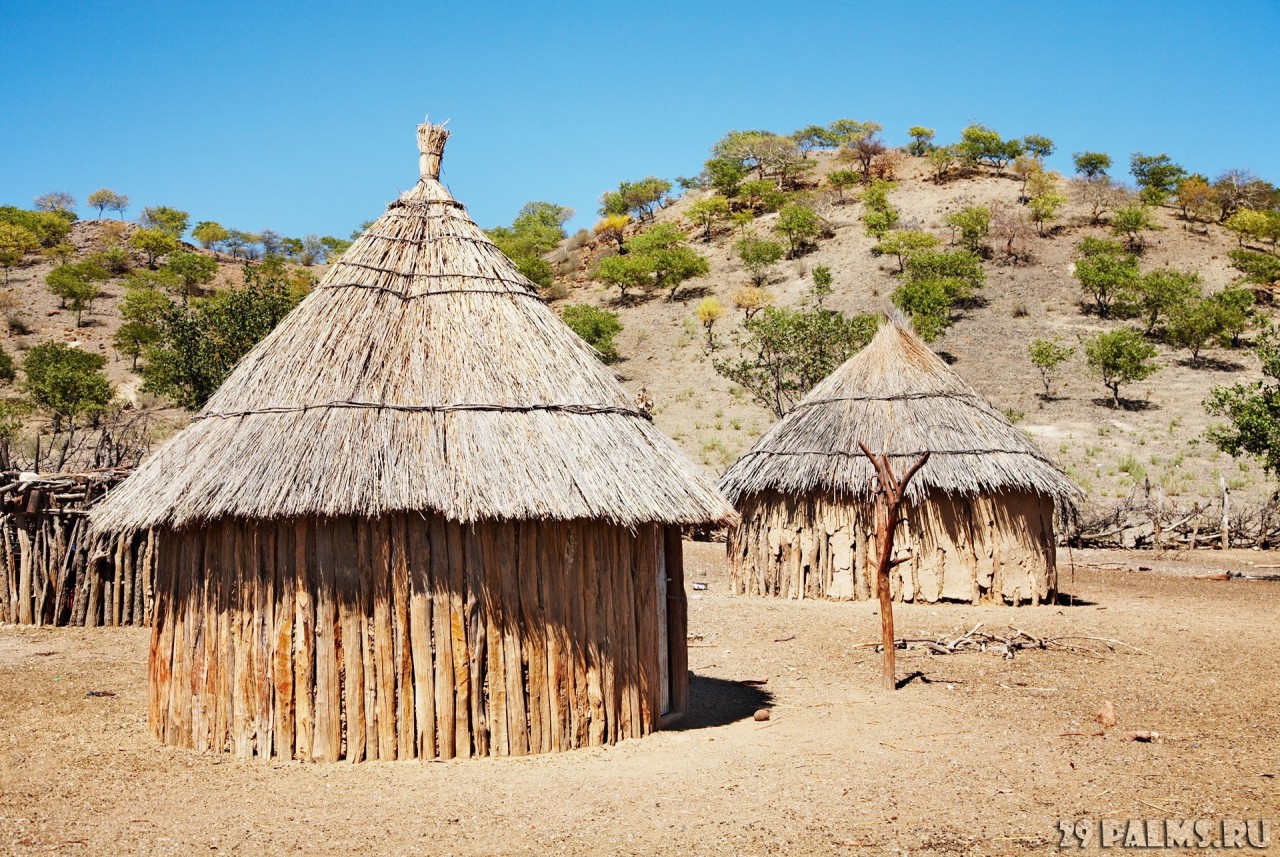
(1226, 513)
(889, 493)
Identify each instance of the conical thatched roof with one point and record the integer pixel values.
(423, 373)
(896, 396)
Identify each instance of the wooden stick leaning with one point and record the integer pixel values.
(889, 493)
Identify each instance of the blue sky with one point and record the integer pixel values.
(299, 116)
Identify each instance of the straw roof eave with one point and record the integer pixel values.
(897, 397)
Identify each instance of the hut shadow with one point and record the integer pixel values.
(923, 679)
(719, 702)
(1213, 364)
(1066, 599)
(1126, 404)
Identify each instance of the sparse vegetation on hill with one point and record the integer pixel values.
(991, 253)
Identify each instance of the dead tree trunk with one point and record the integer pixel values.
(889, 493)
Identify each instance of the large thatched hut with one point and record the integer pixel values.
(420, 519)
(980, 527)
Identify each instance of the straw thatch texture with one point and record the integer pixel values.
(979, 527)
(897, 397)
(423, 373)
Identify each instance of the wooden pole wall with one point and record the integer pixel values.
(411, 637)
(999, 549)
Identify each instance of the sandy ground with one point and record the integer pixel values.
(968, 757)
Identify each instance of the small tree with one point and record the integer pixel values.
(959, 271)
(1252, 409)
(725, 175)
(597, 327)
(1106, 273)
(752, 299)
(980, 144)
(1045, 199)
(1234, 308)
(822, 280)
(108, 200)
(623, 273)
(166, 219)
(903, 242)
(664, 249)
(758, 256)
(1249, 225)
(65, 382)
(708, 312)
(1157, 176)
(1010, 230)
(973, 225)
(57, 201)
(813, 137)
(15, 243)
(76, 285)
(8, 371)
(921, 140)
(1261, 269)
(154, 243)
(192, 270)
(1024, 167)
(1131, 222)
(842, 180)
(641, 198)
(942, 160)
(202, 342)
(799, 224)
(1196, 199)
(707, 212)
(784, 353)
(1048, 356)
(1092, 165)
(1100, 193)
(1159, 293)
(1120, 356)
(1038, 146)
(927, 303)
(1193, 324)
(614, 228)
(210, 234)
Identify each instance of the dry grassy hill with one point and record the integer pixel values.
(1106, 450)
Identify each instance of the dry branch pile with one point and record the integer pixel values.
(1006, 645)
(55, 571)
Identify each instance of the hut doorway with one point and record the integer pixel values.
(664, 651)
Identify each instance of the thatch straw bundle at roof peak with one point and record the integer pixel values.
(423, 373)
(898, 397)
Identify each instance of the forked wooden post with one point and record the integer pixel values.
(889, 492)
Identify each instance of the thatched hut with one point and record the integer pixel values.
(981, 522)
(420, 519)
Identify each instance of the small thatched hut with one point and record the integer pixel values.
(420, 519)
(981, 522)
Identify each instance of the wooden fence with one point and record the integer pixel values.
(54, 571)
(1149, 519)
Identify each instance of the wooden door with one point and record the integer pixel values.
(664, 643)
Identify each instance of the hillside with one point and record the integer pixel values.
(1106, 450)
(1109, 451)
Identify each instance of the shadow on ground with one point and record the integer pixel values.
(719, 702)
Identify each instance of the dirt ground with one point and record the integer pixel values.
(968, 757)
